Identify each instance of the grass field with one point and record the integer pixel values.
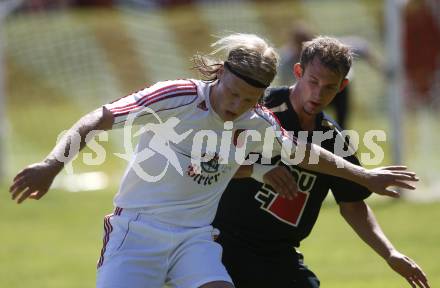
(56, 242)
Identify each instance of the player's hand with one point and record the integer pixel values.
(380, 180)
(33, 181)
(408, 269)
(282, 181)
(243, 172)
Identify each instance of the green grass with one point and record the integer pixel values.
(56, 241)
(341, 259)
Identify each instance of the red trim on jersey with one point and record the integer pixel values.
(156, 93)
(152, 101)
(144, 102)
(169, 89)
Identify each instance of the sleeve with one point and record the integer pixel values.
(347, 191)
(267, 98)
(161, 98)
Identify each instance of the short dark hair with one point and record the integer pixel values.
(331, 52)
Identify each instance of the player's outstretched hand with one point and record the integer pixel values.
(381, 180)
(282, 181)
(33, 181)
(243, 172)
(408, 269)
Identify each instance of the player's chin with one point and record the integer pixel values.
(230, 116)
(313, 109)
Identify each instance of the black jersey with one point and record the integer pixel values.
(256, 215)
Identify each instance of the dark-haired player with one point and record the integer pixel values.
(259, 227)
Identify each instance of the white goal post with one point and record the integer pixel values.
(393, 24)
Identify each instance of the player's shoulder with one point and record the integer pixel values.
(171, 85)
(172, 90)
(326, 122)
(275, 97)
(262, 116)
(266, 117)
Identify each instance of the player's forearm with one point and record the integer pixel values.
(332, 164)
(360, 217)
(243, 172)
(74, 140)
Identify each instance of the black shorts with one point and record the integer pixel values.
(254, 268)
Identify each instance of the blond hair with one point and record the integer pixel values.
(247, 54)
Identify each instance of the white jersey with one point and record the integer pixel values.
(187, 194)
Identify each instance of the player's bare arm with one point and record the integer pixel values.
(244, 171)
(378, 180)
(361, 218)
(34, 181)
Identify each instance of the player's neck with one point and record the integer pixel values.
(307, 121)
(213, 97)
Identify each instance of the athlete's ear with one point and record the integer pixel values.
(297, 71)
(344, 84)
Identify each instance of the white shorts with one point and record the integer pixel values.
(141, 252)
